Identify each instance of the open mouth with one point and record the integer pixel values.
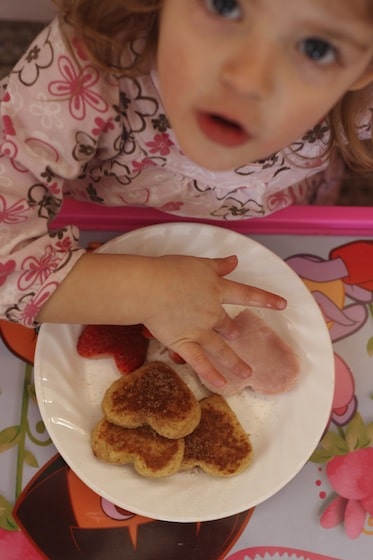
(222, 130)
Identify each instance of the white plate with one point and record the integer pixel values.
(284, 429)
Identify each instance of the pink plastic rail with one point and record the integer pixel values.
(298, 220)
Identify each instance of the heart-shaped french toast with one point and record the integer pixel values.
(152, 455)
(219, 445)
(153, 395)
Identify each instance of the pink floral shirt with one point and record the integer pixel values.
(69, 129)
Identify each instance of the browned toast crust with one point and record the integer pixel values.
(155, 395)
(219, 445)
(151, 454)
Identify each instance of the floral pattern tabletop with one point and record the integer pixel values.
(324, 513)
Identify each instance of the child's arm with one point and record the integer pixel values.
(178, 298)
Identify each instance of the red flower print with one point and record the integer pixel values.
(279, 200)
(64, 245)
(9, 150)
(80, 48)
(77, 87)
(161, 144)
(143, 164)
(37, 270)
(6, 269)
(349, 458)
(172, 206)
(13, 214)
(54, 188)
(351, 476)
(29, 306)
(102, 126)
(8, 126)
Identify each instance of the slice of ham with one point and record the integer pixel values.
(275, 365)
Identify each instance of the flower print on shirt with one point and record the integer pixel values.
(5, 270)
(39, 57)
(232, 207)
(9, 150)
(48, 111)
(77, 86)
(8, 126)
(85, 146)
(143, 164)
(29, 305)
(47, 203)
(102, 126)
(172, 206)
(143, 107)
(36, 271)
(13, 214)
(161, 144)
(161, 123)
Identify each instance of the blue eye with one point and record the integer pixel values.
(229, 9)
(318, 50)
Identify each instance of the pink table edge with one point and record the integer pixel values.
(298, 220)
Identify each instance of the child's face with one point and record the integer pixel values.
(242, 79)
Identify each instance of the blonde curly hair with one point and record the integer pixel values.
(107, 26)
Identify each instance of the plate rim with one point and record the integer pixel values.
(39, 388)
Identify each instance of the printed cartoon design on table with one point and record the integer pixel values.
(13, 542)
(346, 275)
(85, 525)
(343, 288)
(349, 457)
(274, 553)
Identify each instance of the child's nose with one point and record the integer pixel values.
(250, 70)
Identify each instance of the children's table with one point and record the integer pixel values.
(324, 513)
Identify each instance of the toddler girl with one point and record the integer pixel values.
(219, 109)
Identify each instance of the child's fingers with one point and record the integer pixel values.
(224, 265)
(196, 354)
(243, 294)
(227, 327)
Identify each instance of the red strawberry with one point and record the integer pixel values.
(146, 332)
(175, 357)
(125, 343)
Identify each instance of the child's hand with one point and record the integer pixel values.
(178, 298)
(184, 311)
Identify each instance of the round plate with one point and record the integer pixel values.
(284, 429)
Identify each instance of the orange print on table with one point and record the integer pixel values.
(334, 290)
(20, 340)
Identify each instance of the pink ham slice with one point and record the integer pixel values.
(275, 365)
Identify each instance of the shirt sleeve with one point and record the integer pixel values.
(57, 112)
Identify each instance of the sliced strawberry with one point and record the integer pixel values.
(175, 357)
(146, 332)
(125, 343)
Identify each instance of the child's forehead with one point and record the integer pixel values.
(351, 8)
(354, 8)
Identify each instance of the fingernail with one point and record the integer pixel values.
(245, 372)
(281, 303)
(233, 333)
(219, 383)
